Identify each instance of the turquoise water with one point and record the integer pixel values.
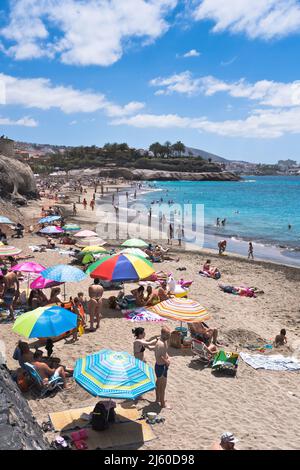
(256, 208)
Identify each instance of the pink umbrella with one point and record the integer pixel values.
(28, 267)
(85, 233)
(42, 283)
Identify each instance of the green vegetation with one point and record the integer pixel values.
(166, 157)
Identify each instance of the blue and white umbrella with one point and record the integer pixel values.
(49, 219)
(5, 220)
(63, 273)
(113, 374)
(51, 230)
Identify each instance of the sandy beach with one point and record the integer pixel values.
(260, 407)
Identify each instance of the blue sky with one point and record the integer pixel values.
(219, 75)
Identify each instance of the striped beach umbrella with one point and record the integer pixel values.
(113, 374)
(9, 251)
(93, 241)
(123, 267)
(49, 219)
(183, 310)
(135, 243)
(45, 322)
(51, 230)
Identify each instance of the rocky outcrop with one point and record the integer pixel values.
(158, 175)
(17, 182)
(18, 428)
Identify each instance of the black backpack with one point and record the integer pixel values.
(101, 417)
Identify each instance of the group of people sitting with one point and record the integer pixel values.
(150, 296)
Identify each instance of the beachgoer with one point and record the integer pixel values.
(204, 333)
(280, 340)
(47, 373)
(222, 246)
(289, 226)
(218, 222)
(212, 271)
(140, 344)
(36, 299)
(55, 296)
(227, 442)
(95, 304)
(11, 291)
(250, 251)
(223, 222)
(92, 204)
(84, 202)
(138, 294)
(162, 363)
(74, 209)
(50, 243)
(170, 233)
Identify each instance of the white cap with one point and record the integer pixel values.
(229, 437)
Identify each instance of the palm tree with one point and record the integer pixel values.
(178, 147)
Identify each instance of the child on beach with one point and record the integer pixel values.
(280, 340)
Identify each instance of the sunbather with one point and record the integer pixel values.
(138, 294)
(54, 296)
(47, 373)
(202, 332)
(36, 299)
(227, 442)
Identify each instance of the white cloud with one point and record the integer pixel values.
(256, 18)
(192, 53)
(265, 92)
(270, 123)
(42, 94)
(82, 32)
(177, 83)
(25, 121)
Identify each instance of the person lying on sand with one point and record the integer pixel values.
(280, 340)
(227, 442)
(211, 270)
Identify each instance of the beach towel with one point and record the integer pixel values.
(142, 314)
(76, 418)
(271, 362)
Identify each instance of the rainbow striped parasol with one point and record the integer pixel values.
(123, 267)
(9, 251)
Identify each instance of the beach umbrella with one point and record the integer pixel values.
(63, 273)
(41, 283)
(135, 251)
(183, 310)
(71, 228)
(9, 251)
(85, 234)
(113, 374)
(94, 249)
(135, 243)
(5, 220)
(28, 267)
(123, 267)
(93, 241)
(51, 229)
(49, 219)
(45, 322)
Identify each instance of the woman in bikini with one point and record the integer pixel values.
(140, 344)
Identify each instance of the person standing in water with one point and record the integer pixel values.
(250, 251)
(218, 222)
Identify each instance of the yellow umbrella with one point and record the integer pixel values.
(94, 249)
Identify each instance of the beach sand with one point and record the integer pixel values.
(262, 408)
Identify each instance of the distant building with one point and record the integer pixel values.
(7, 147)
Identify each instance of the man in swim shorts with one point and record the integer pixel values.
(95, 304)
(11, 290)
(162, 365)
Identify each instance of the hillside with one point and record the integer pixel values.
(204, 154)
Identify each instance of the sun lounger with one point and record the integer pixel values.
(50, 386)
(200, 349)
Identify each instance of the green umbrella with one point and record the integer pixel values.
(135, 243)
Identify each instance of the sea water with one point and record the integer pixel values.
(259, 209)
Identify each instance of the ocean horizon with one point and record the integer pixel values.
(257, 208)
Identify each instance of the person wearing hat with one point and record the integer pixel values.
(227, 442)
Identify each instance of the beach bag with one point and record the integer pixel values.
(175, 340)
(99, 417)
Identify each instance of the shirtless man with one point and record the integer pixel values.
(204, 333)
(162, 363)
(47, 373)
(11, 290)
(95, 304)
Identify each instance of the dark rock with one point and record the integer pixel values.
(18, 428)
